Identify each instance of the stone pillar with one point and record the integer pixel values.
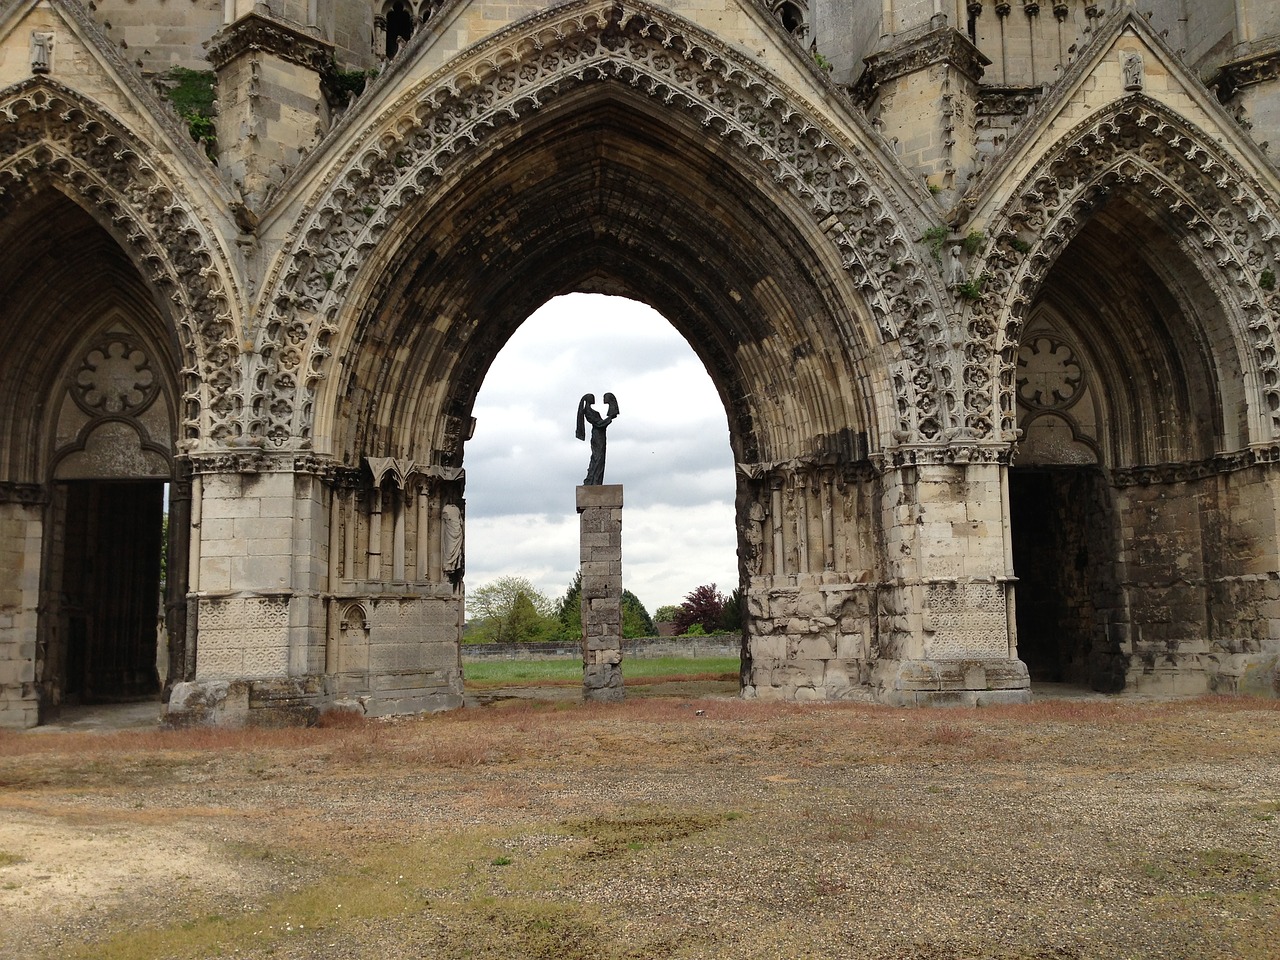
(922, 91)
(600, 520)
(258, 573)
(21, 544)
(271, 108)
(946, 632)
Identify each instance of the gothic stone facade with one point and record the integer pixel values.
(989, 291)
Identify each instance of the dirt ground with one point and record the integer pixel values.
(667, 826)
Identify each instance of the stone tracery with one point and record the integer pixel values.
(512, 76)
(1135, 143)
(49, 134)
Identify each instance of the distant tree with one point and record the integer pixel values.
(636, 621)
(731, 613)
(703, 606)
(665, 613)
(569, 609)
(510, 610)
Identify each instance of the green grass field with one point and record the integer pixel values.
(568, 671)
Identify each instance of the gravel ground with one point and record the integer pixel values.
(664, 827)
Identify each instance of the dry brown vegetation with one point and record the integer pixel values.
(1062, 829)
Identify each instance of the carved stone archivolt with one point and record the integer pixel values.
(431, 128)
(1136, 144)
(49, 135)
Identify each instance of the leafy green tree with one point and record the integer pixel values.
(636, 621)
(665, 613)
(510, 610)
(731, 612)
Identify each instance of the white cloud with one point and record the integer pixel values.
(669, 448)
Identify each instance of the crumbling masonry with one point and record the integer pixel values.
(989, 290)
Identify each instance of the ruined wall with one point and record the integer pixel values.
(808, 549)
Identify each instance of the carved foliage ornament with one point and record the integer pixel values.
(509, 77)
(48, 135)
(1139, 145)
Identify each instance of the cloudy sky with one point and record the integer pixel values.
(669, 448)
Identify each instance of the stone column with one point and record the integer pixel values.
(21, 545)
(259, 571)
(271, 108)
(944, 627)
(600, 520)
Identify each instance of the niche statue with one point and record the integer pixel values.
(587, 414)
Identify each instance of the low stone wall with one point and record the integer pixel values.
(727, 645)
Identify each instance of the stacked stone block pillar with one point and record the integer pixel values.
(600, 523)
(923, 91)
(946, 629)
(21, 544)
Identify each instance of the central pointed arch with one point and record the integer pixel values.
(814, 177)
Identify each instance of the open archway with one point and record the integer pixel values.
(1135, 360)
(91, 420)
(604, 192)
(669, 448)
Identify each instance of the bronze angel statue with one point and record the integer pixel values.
(587, 415)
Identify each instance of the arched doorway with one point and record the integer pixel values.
(605, 192)
(91, 410)
(1127, 374)
(669, 448)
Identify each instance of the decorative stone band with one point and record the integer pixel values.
(1002, 101)
(25, 493)
(1195, 470)
(1258, 67)
(256, 32)
(263, 461)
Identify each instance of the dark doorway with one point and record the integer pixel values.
(114, 540)
(1068, 596)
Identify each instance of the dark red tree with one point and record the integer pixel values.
(703, 605)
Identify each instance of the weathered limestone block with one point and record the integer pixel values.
(600, 523)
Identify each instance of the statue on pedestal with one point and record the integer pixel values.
(587, 414)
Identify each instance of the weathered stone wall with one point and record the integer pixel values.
(21, 536)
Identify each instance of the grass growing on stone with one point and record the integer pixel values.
(494, 673)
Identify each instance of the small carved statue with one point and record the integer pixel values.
(41, 51)
(587, 414)
(1133, 71)
(754, 536)
(959, 276)
(451, 542)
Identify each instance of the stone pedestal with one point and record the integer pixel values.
(600, 519)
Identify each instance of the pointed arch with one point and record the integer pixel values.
(53, 137)
(429, 133)
(1227, 224)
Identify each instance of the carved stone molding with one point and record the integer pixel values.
(28, 494)
(1135, 144)
(1260, 66)
(1158, 473)
(48, 134)
(946, 45)
(503, 80)
(1002, 101)
(256, 32)
(264, 461)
